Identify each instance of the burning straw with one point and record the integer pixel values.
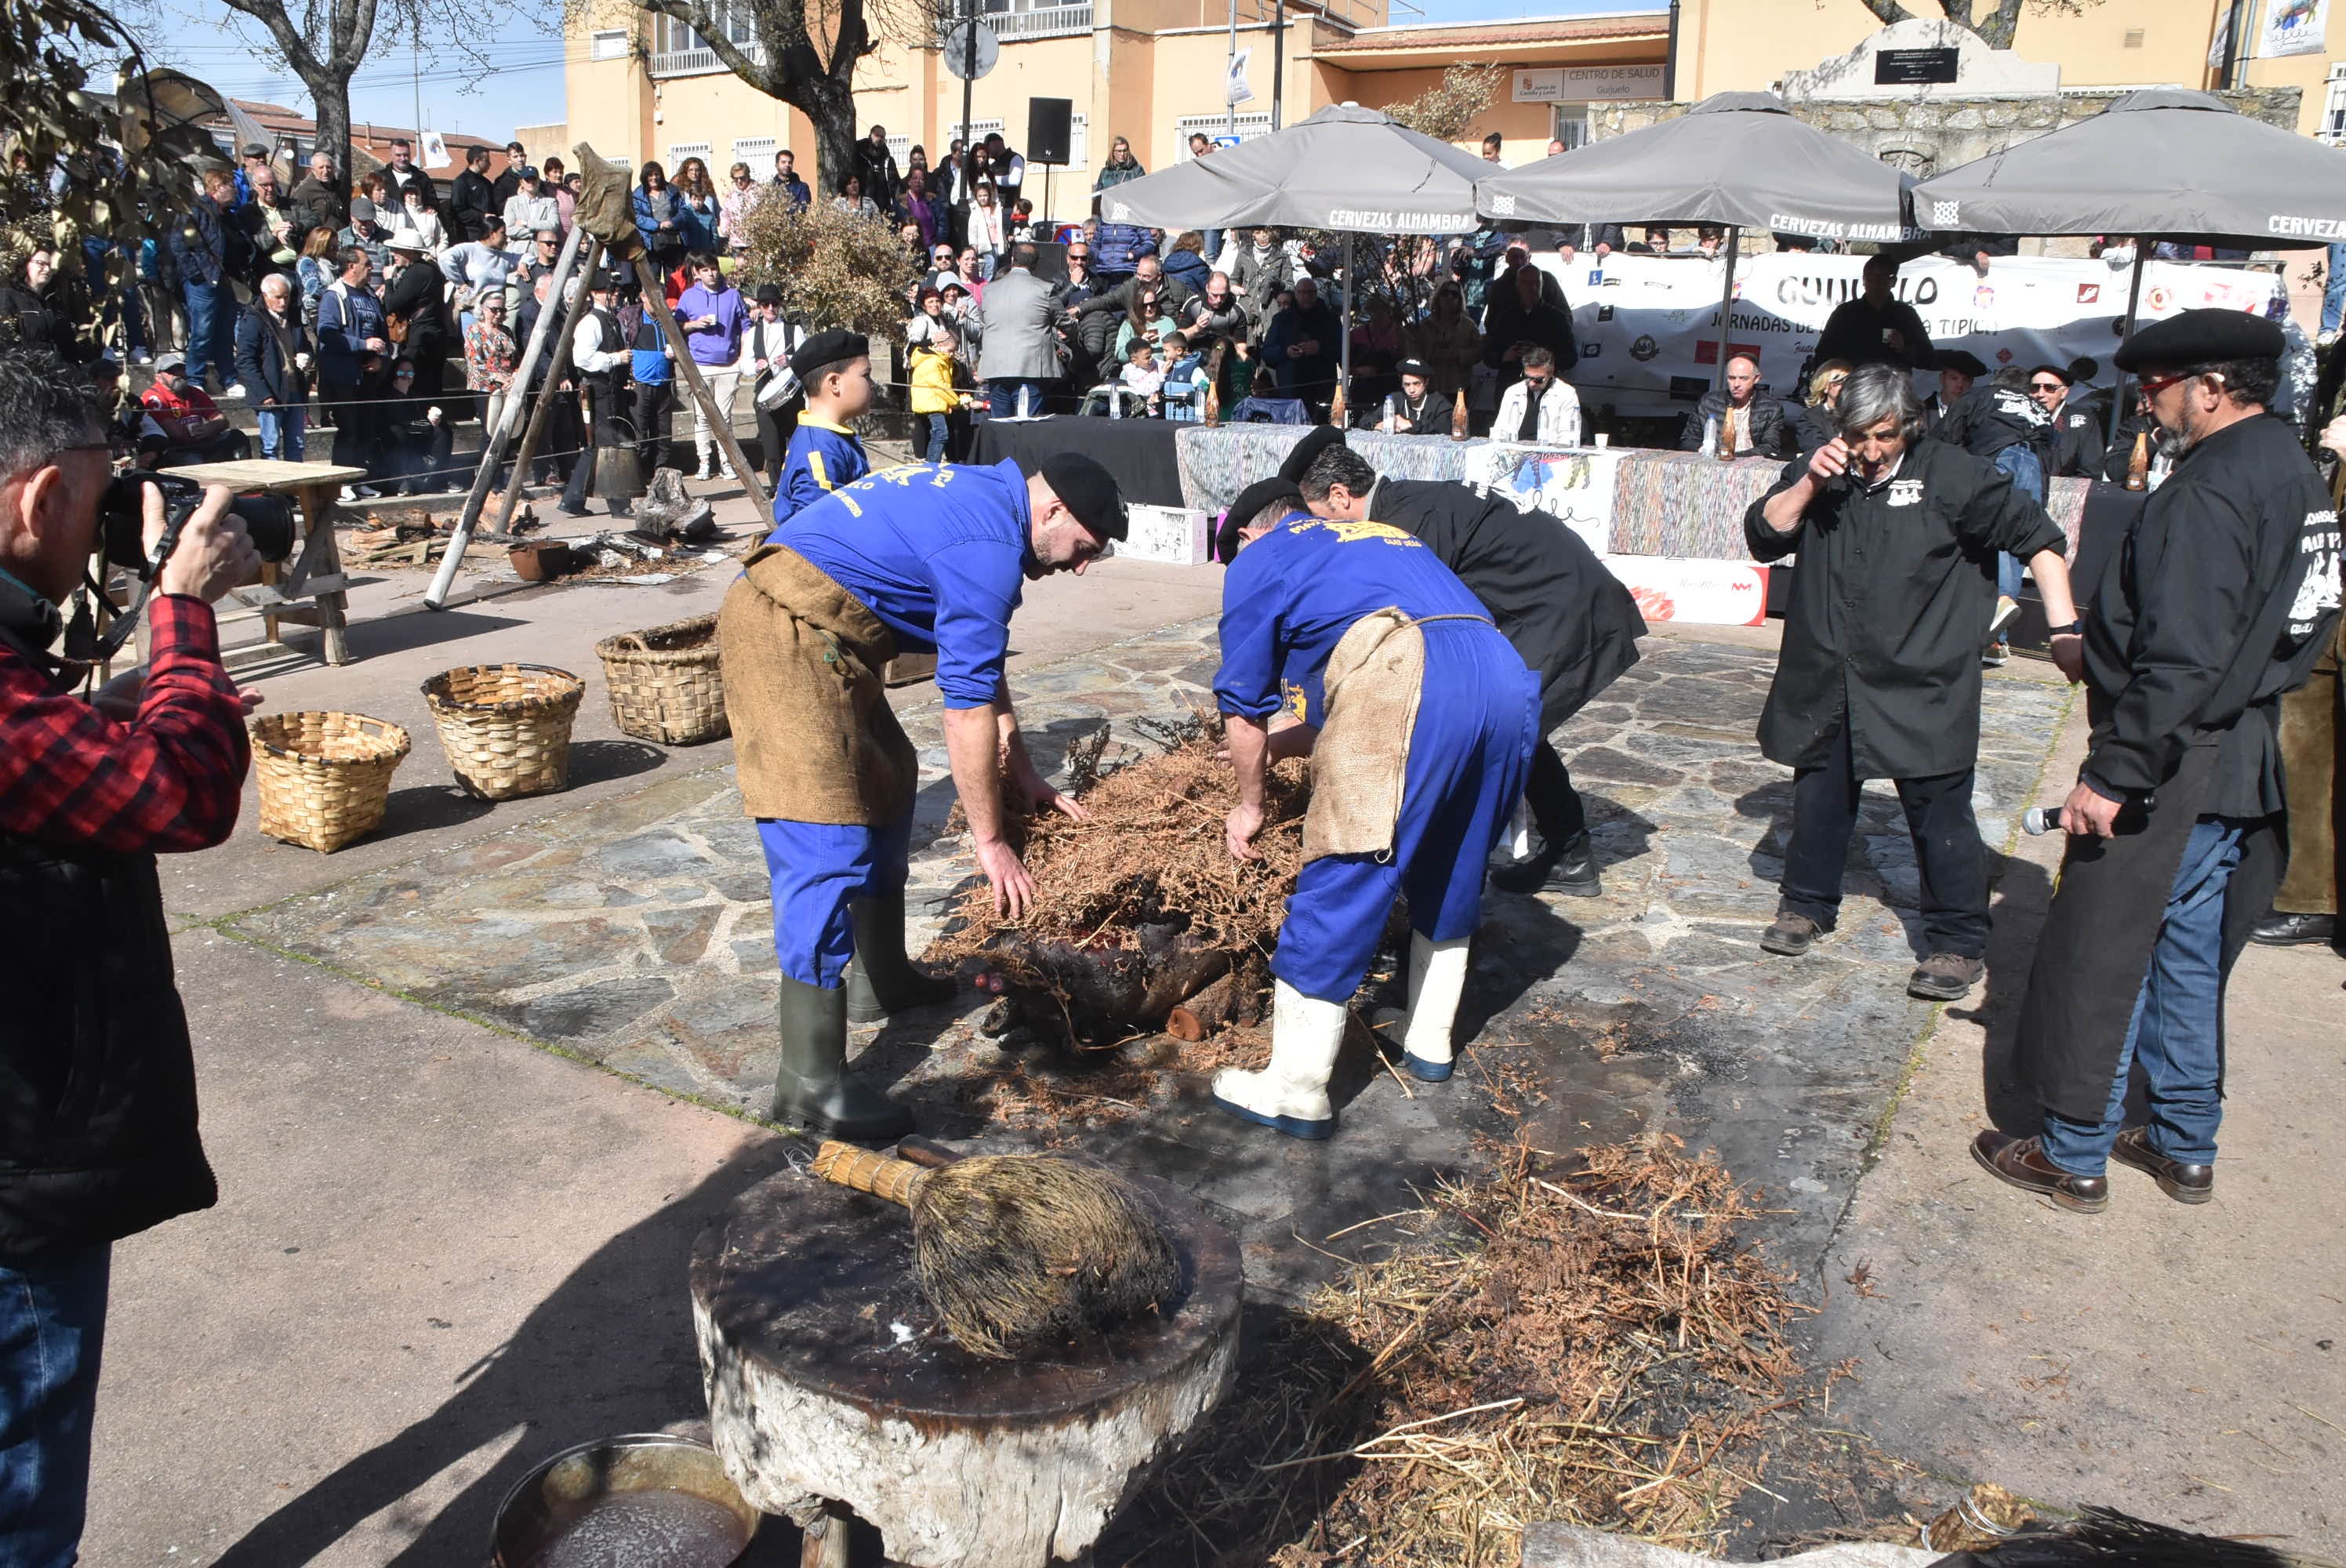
(1594, 1345)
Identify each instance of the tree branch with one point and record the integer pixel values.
(1998, 27)
(284, 34)
(1888, 11)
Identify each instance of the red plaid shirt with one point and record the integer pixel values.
(171, 778)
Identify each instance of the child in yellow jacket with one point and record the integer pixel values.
(936, 395)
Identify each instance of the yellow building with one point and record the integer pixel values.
(642, 86)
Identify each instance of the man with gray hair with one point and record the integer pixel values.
(1879, 676)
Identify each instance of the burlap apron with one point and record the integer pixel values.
(1359, 765)
(814, 739)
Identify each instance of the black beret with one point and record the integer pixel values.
(1321, 438)
(1963, 360)
(1088, 489)
(2203, 337)
(1244, 510)
(826, 349)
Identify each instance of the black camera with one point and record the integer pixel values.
(268, 519)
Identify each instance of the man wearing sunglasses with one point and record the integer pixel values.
(2076, 446)
(2223, 598)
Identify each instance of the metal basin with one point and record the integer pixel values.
(649, 1500)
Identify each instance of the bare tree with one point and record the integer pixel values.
(1995, 21)
(324, 41)
(804, 53)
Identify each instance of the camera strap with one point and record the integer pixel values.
(84, 644)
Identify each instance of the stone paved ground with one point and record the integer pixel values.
(634, 933)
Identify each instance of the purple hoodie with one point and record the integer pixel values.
(719, 345)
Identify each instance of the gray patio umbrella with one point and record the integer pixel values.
(1346, 168)
(2164, 163)
(1740, 159)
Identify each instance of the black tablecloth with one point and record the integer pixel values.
(1139, 452)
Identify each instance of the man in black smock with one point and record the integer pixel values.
(2220, 600)
(1876, 328)
(1573, 622)
(1879, 675)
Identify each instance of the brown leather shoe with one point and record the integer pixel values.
(1945, 977)
(2022, 1163)
(2184, 1184)
(1789, 934)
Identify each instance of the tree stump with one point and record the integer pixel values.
(830, 1382)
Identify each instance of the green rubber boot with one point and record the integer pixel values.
(882, 980)
(812, 1090)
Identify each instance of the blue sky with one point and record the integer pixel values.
(523, 85)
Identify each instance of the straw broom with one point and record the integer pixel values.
(1019, 1251)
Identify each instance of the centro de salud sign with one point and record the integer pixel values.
(1586, 84)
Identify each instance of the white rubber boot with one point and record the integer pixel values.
(1437, 978)
(1291, 1096)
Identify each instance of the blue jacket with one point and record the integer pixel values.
(648, 227)
(347, 318)
(201, 255)
(1187, 268)
(260, 363)
(823, 457)
(1120, 248)
(938, 552)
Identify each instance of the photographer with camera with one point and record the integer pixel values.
(98, 1094)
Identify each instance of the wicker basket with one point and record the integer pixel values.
(324, 776)
(505, 726)
(664, 682)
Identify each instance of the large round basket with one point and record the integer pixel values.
(324, 776)
(505, 726)
(664, 682)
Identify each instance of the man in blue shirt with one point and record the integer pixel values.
(924, 558)
(834, 370)
(1347, 625)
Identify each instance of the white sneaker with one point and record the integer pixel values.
(1437, 978)
(1291, 1096)
(725, 470)
(705, 472)
(233, 389)
(142, 357)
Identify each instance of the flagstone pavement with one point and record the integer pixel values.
(634, 933)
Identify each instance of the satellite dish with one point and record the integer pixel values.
(957, 59)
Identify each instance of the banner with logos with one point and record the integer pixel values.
(1649, 333)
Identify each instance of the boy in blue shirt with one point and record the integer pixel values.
(834, 369)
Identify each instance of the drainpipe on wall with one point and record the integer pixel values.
(1277, 62)
(2228, 75)
(1670, 58)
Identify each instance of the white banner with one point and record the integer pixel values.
(2293, 27)
(1649, 324)
(1576, 487)
(1708, 593)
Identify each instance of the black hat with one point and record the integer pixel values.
(1413, 368)
(2065, 377)
(828, 348)
(1960, 360)
(1088, 489)
(1321, 438)
(601, 281)
(2203, 337)
(768, 294)
(1246, 508)
(254, 149)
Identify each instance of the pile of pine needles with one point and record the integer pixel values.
(1587, 1340)
(1151, 853)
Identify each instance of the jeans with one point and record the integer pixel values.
(211, 328)
(2333, 288)
(1947, 848)
(2178, 1026)
(2027, 472)
(52, 1327)
(280, 432)
(1002, 395)
(940, 429)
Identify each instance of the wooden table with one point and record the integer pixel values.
(831, 1386)
(314, 573)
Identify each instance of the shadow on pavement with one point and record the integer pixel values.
(396, 633)
(614, 1338)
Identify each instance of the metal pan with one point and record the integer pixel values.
(647, 1499)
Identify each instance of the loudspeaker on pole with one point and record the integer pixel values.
(1049, 130)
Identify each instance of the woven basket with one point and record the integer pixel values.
(664, 682)
(505, 726)
(324, 776)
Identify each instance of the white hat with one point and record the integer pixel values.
(404, 238)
